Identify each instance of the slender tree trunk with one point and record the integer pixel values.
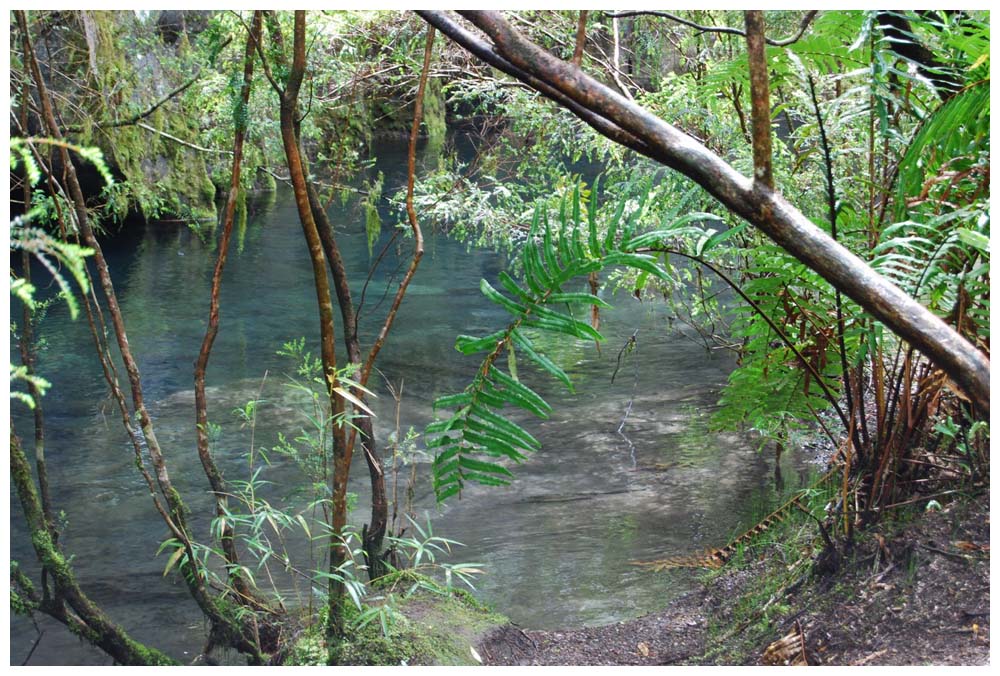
(27, 348)
(215, 480)
(375, 532)
(581, 39)
(338, 549)
(760, 98)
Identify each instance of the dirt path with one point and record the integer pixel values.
(912, 594)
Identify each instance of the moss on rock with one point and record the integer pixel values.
(433, 626)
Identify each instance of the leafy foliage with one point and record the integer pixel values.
(472, 443)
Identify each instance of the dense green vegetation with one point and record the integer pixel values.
(850, 274)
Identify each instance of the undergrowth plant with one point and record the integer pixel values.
(269, 529)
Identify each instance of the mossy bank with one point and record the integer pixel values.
(428, 625)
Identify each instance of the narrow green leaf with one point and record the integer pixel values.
(485, 467)
(516, 392)
(638, 262)
(485, 479)
(609, 236)
(500, 299)
(500, 436)
(172, 561)
(564, 234)
(548, 248)
(592, 238)
(490, 445)
(448, 492)
(439, 426)
(512, 286)
(568, 324)
(512, 364)
(453, 400)
(578, 297)
(523, 436)
(471, 344)
(535, 274)
(494, 398)
(544, 362)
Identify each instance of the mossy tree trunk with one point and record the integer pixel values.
(71, 606)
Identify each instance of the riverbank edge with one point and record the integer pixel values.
(912, 590)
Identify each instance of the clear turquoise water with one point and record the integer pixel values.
(555, 544)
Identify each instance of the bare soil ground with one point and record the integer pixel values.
(910, 593)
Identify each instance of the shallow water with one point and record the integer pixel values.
(556, 544)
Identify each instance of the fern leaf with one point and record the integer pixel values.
(544, 362)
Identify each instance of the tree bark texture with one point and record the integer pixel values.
(633, 126)
(215, 479)
(338, 549)
(760, 98)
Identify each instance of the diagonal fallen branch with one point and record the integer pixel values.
(635, 127)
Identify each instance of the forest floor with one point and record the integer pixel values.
(912, 592)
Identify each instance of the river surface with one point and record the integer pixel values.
(555, 545)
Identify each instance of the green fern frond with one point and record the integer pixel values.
(477, 437)
(45, 247)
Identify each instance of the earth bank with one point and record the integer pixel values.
(911, 592)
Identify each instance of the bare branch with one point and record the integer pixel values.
(806, 20)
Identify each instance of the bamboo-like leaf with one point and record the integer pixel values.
(172, 561)
(305, 526)
(354, 400)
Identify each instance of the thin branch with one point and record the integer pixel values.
(784, 42)
(188, 144)
(831, 397)
(418, 237)
(146, 113)
(215, 479)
